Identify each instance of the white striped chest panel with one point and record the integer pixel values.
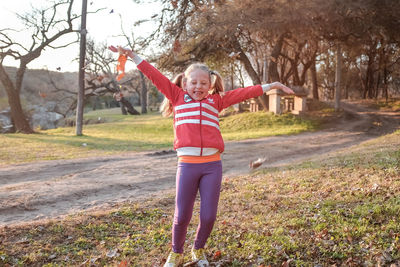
(196, 113)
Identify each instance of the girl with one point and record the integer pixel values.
(195, 98)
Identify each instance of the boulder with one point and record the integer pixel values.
(6, 125)
(44, 117)
(40, 116)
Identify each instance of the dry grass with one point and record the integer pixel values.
(338, 211)
(121, 134)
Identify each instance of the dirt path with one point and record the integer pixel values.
(51, 189)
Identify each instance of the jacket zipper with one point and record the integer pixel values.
(201, 135)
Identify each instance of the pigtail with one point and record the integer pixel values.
(166, 106)
(218, 84)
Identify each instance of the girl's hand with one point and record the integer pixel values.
(278, 85)
(121, 50)
(113, 49)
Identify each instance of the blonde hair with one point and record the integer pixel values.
(217, 85)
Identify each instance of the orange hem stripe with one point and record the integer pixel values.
(200, 159)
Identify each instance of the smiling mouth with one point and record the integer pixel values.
(199, 93)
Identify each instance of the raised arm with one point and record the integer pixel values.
(163, 84)
(238, 95)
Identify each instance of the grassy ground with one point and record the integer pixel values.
(121, 134)
(392, 104)
(340, 210)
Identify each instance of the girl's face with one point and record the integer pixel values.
(197, 84)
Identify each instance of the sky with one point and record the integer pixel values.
(102, 27)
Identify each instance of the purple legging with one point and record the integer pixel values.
(190, 177)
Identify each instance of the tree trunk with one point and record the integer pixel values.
(345, 85)
(378, 81)
(370, 82)
(385, 85)
(363, 84)
(143, 95)
(346, 89)
(126, 104)
(338, 77)
(81, 91)
(314, 80)
(295, 73)
(263, 99)
(369, 77)
(303, 75)
(21, 124)
(273, 63)
(123, 109)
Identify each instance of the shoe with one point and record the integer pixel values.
(174, 260)
(199, 257)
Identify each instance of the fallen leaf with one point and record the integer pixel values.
(257, 163)
(177, 46)
(112, 253)
(350, 239)
(234, 55)
(374, 187)
(123, 263)
(287, 263)
(217, 255)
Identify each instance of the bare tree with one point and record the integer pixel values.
(46, 26)
(99, 81)
(137, 45)
(100, 76)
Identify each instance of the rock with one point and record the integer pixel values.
(6, 125)
(44, 117)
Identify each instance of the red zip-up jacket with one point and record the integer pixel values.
(196, 123)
